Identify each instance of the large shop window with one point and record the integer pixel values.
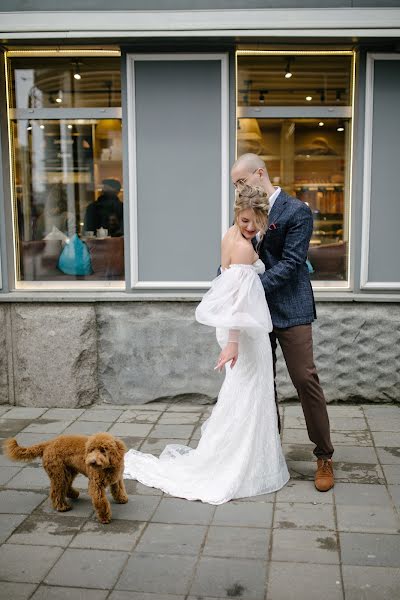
(294, 110)
(66, 140)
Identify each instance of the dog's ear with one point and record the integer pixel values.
(121, 446)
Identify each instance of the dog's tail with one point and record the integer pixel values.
(16, 452)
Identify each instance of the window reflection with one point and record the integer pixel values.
(69, 199)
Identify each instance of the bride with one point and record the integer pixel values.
(239, 453)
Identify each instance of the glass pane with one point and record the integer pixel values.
(314, 80)
(73, 82)
(308, 159)
(68, 199)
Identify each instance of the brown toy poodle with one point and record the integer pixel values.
(100, 457)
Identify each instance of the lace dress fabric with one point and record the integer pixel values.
(239, 453)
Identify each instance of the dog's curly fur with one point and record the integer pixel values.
(100, 457)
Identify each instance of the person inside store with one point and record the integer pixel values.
(107, 211)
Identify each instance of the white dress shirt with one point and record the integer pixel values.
(271, 201)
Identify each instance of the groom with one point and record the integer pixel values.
(290, 298)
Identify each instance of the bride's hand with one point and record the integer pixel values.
(230, 352)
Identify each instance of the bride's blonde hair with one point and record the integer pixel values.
(255, 198)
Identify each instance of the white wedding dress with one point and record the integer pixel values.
(239, 453)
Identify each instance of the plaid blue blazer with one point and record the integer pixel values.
(283, 250)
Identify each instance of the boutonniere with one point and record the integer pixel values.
(273, 226)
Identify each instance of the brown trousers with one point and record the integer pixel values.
(297, 348)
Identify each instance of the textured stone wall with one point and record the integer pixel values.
(71, 355)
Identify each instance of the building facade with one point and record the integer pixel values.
(118, 129)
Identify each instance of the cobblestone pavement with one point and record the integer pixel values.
(296, 543)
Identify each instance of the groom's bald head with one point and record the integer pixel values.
(250, 169)
(250, 162)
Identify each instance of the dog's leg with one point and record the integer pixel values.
(72, 492)
(100, 502)
(57, 494)
(118, 492)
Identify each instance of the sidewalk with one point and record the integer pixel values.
(296, 544)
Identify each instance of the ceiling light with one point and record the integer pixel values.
(321, 124)
(288, 71)
(340, 126)
(41, 126)
(308, 98)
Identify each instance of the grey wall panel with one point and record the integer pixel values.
(384, 241)
(178, 149)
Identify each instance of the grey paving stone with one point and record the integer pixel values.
(185, 407)
(117, 535)
(64, 414)
(144, 596)
(135, 487)
(47, 426)
(360, 494)
(304, 516)
(8, 523)
(139, 416)
(351, 438)
(26, 564)
(10, 427)
(29, 439)
(247, 514)
(358, 473)
(42, 530)
(93, 414)
(229, 577)
(131, 442)
(295, 581)
(302, 452)
(48, 592)
(291, 410)
(19, 502)
(317, 547)
(196, 435)
(172, 431)
(156, 445)
(345, 411)
(87, 427)
(162, 538)
(295, 436)
(371, 583)
(87, 568)
(25, 412)
(384, 423)
(175, 510)
(347, 423)
(7, 473)
(303, 491)
(368, 519)
(80, 508)
(355, 454)
(260, 498)
(294, 422)
(382, 410)
(157, 573)
(139, 508)
(16, 591)
(392, 473)
(131, 429)
(5, 408)
(304, 470)
(370, 549)
(178, 418)
(237, 542)
(30, 478)
(386, 439)
(394, 491)
(389, 456)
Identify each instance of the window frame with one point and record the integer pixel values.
(31, 114)
(315, 112)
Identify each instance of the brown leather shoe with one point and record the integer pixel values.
(324, 479)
